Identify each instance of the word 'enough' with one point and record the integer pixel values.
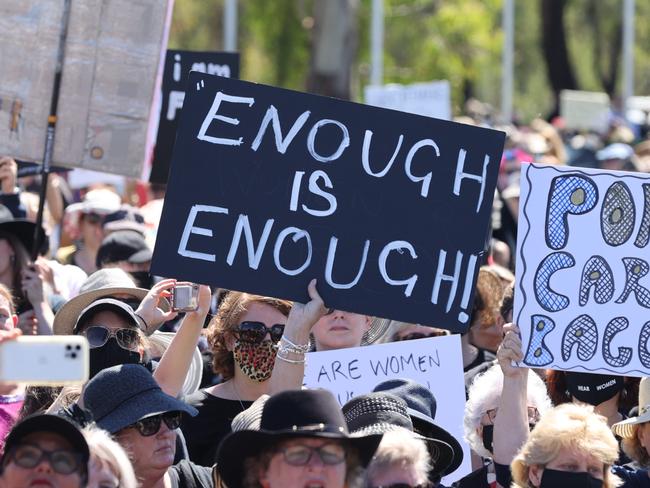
(282, 142)
(255, 252)
(582, 335)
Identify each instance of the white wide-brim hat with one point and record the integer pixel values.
(625, 428)
(158, 344)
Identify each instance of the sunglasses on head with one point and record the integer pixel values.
(98, 335)
(151, 425)
(62, 461)
(255, 332)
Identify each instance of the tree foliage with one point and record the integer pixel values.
(457, 40)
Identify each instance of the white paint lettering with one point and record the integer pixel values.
(212, 115)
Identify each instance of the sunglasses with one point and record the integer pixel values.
(255, 332)
(63, 461)
(300, 455)
(98, 335)
(151, 425)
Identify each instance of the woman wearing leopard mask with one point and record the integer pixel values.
(258, 345)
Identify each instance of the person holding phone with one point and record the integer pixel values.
(24, 278)
(258, 345)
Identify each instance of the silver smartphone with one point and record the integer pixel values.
(185, 297)
(44, 360)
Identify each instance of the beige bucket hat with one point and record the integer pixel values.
(103, 283)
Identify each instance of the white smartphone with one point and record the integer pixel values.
(44, 360)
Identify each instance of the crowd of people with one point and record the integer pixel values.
(213, 397)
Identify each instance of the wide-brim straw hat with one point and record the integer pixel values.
(103, 283)
(290, 414)
(625, 428)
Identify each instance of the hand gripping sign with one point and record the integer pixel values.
(270, 188)
(582, 295)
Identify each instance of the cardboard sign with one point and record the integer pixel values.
(435, 363)
(113, 56)
(431, 99)
(583, 110)
(270, 188)
(582, 296)
(178, 65)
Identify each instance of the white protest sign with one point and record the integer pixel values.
(582, 295)
(435, 363)
(113, 61)
(430, 99)
(583, 110)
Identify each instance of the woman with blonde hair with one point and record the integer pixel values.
(109, 465)
(570, 446)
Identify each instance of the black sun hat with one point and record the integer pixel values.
(24, 231)
(287, 415)
(422, 410)
(48, 423)
(381, 412)
(119, 396)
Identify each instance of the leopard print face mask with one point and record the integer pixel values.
(256, 360)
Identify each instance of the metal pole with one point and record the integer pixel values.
(230, 25)
(51, 128)
(377, 43)
(628, 53)
(507, 60)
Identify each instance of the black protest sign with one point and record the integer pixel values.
(270, 188)
(178, 65)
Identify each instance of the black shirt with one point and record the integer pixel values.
(188, 475)
(204, 432)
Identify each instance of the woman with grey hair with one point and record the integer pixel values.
(402, 459)
(482, 409)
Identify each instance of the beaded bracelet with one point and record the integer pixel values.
(290, 346)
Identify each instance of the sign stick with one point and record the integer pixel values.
(51, 126)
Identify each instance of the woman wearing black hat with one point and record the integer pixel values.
(303, 441)
(45, 450)
(23, 278)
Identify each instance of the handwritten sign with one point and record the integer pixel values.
(435, 363)
(270, 188)
(582, 295)
(432, 99)
(178, 65)
(583, 110)
(113, 61)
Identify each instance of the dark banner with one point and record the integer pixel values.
(178, 65)
(270, 188)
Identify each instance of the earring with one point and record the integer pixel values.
(12, 259)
